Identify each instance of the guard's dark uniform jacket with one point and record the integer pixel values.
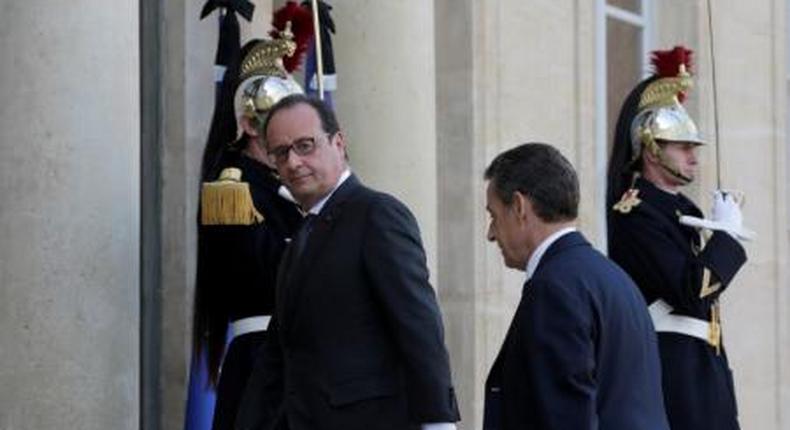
(669, 263)
(238, 264)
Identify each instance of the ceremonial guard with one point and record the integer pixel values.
(245, 223)
(655, 234)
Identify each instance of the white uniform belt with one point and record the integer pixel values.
(665, 321)
(249, 325)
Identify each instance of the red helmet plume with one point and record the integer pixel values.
(301, 20)
(666, 64)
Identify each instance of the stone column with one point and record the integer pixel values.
(460, 209)
(69, 217)
(507, 73)
(386, 101)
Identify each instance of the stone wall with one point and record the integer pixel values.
(69, 217)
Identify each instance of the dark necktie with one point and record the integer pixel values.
(290, 264)
(301, 236)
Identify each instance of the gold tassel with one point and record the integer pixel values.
(227, 201)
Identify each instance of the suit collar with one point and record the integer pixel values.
(537, 254)
(316, 209)
(325, 220)
(566, 241)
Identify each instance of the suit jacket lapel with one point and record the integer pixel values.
(294, 276)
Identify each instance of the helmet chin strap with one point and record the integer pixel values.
(672, 170)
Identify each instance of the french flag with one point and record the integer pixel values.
(327, 26)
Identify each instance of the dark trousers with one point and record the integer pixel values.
(698, 386)
(236, 369)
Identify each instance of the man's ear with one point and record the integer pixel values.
(521, 205)
(250, 126)
(649, 156)
(339, 139)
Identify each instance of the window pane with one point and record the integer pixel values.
(623, 68)
(634, 6)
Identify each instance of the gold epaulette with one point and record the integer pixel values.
(228, 201)
(628, 201)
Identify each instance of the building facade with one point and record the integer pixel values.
(105, 110)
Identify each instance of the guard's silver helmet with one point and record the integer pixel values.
(661, 117)
(264, 80)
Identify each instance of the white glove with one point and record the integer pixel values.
(726, 216)
(727, 213)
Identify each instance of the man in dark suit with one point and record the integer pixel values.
(580, 352)
(356, 341)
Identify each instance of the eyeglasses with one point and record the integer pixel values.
(301, 147)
